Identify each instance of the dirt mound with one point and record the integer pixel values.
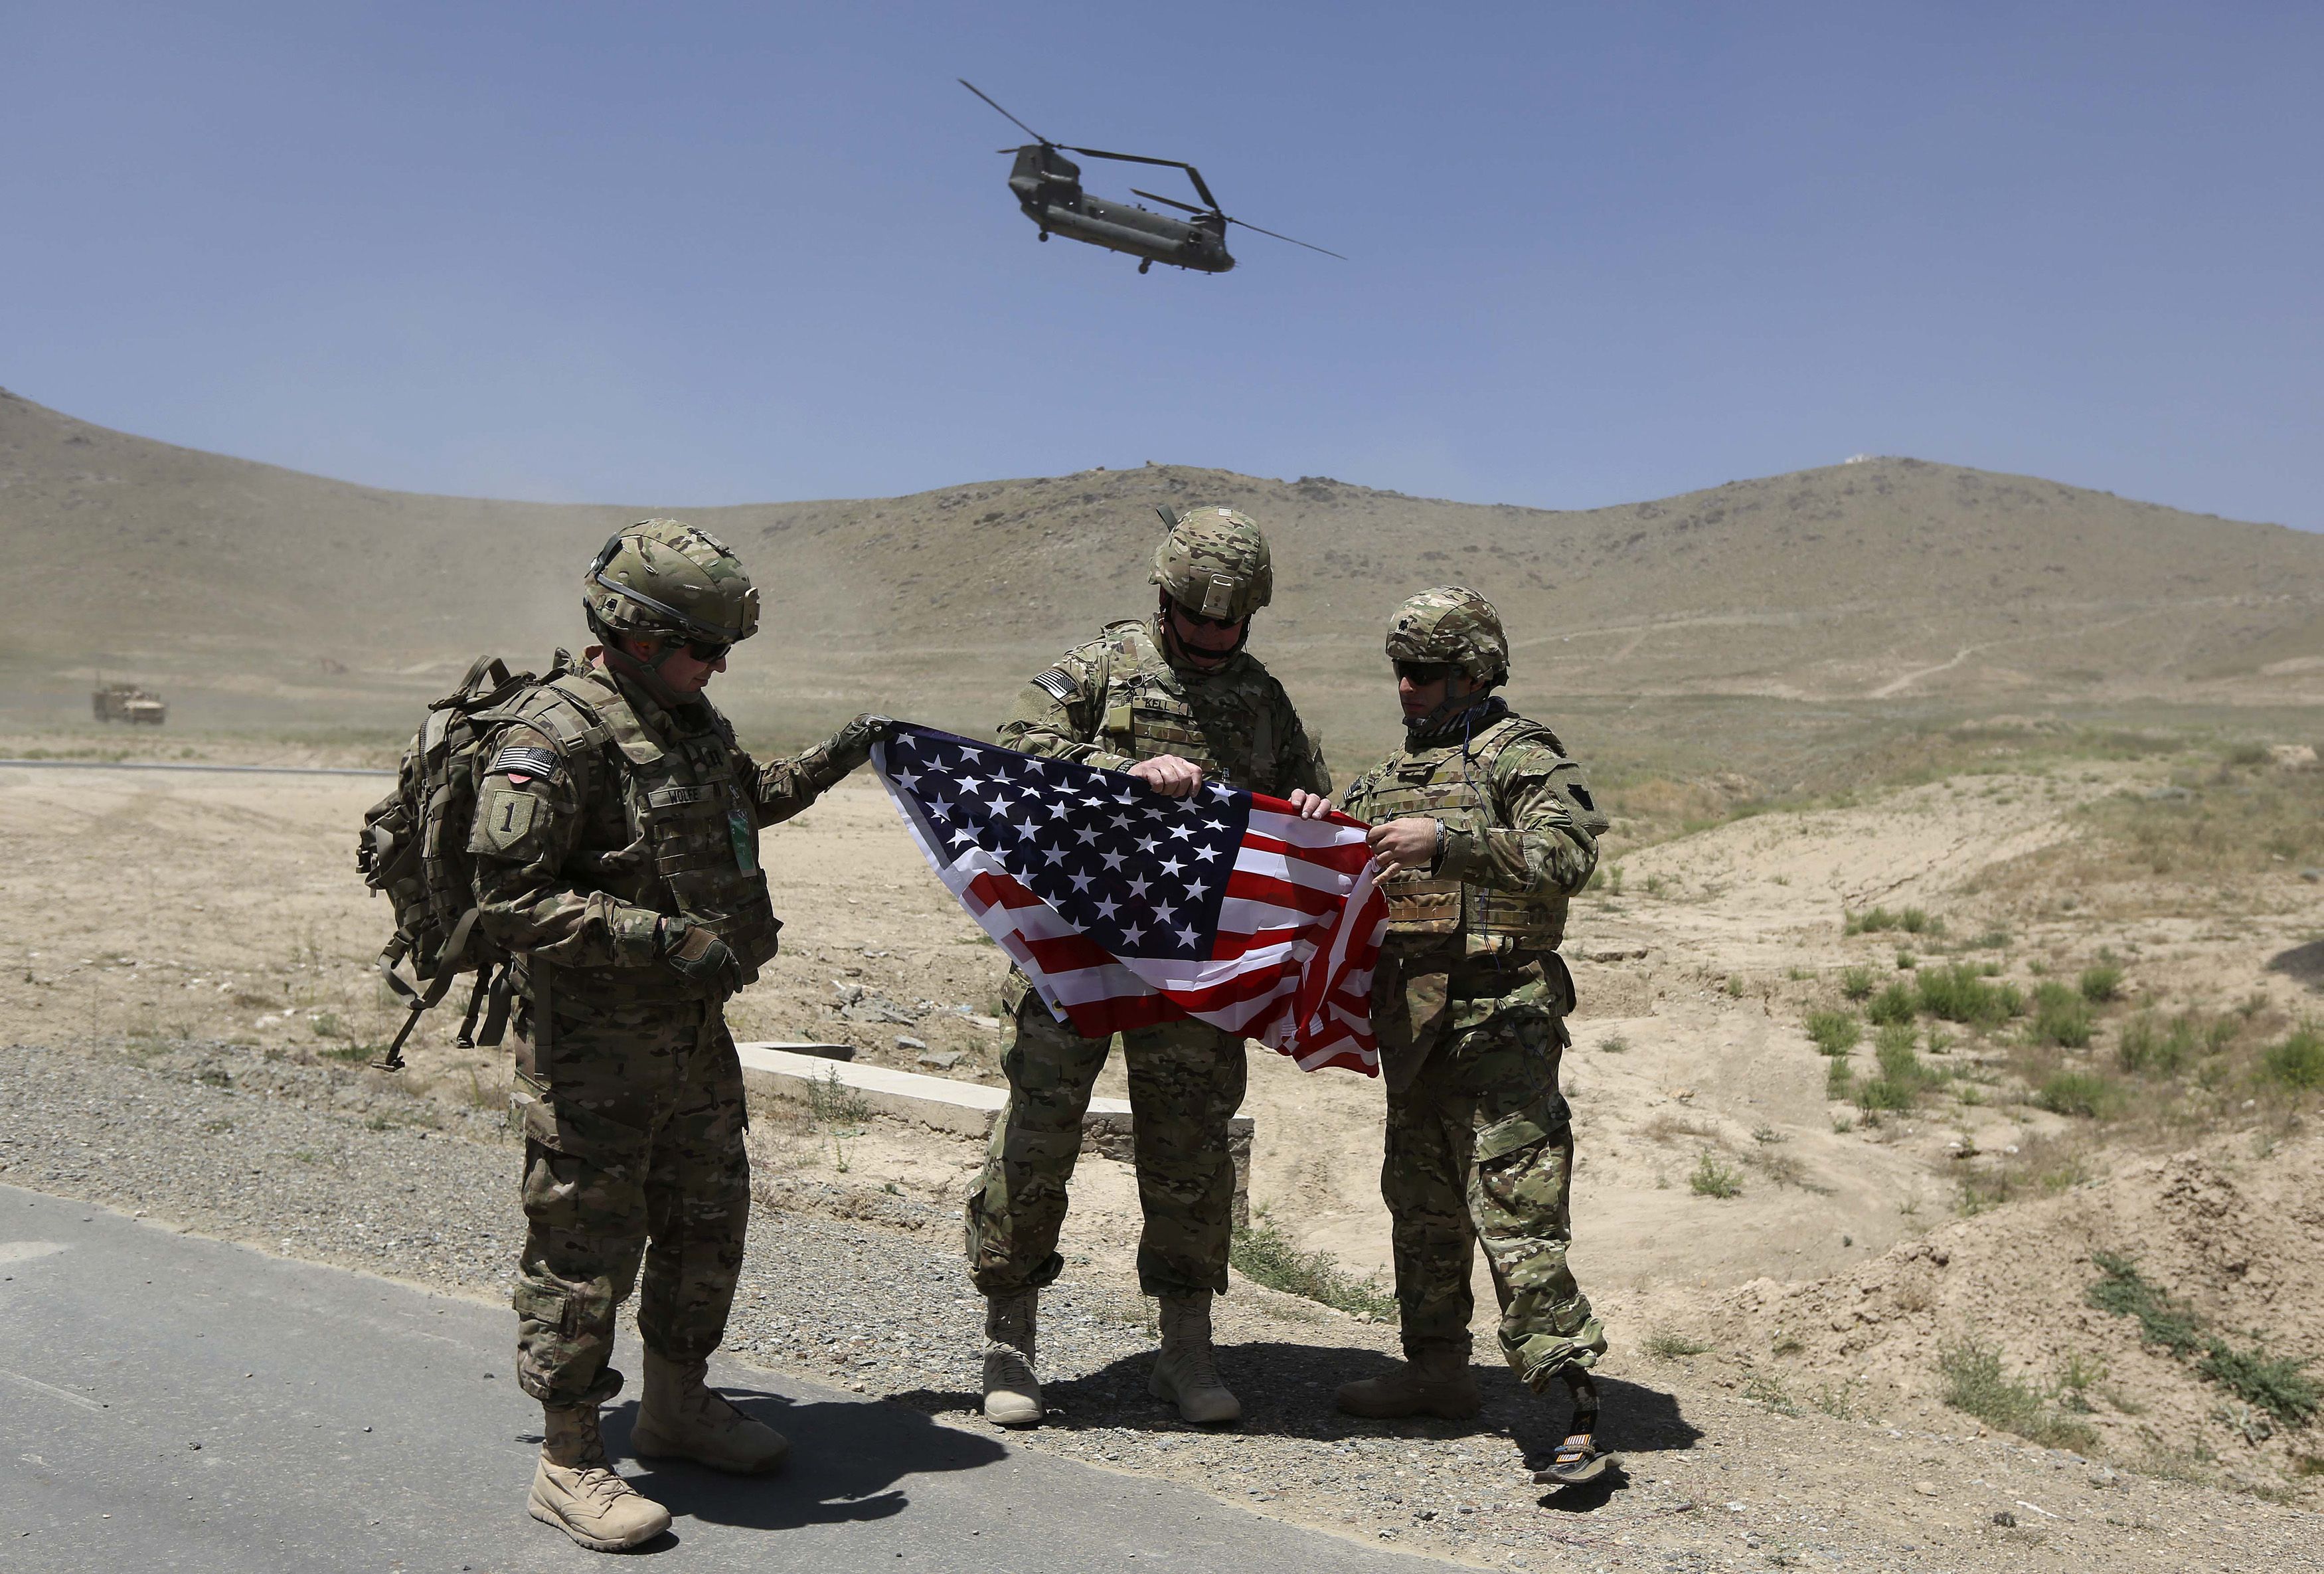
(2223, 1243)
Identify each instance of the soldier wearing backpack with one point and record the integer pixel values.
(615, 843)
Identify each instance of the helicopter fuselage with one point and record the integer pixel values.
(1048, 191)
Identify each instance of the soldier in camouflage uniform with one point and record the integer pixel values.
(1483, 828)
(617, 857)
(1175, 702)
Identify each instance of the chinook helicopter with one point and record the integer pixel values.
(1048, 187)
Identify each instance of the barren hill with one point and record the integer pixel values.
(1886, 577)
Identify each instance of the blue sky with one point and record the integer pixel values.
(711, 253)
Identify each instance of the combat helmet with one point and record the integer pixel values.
(1214, 562)
(666, 577)
(1454, 625)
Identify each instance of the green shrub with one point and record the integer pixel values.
(2061, 1016)
(2152, 1049)
(1961, 993)
(2084, 1093)
(1835, 1033)
(1894, 1004)
(2101, 984)
(1268, 1257)
(1711, 1177)
(1879, 920)
(1873, 1094)
(1856, 983)
(1893, 1047)
(2299, 1060)
(1977, 1384)
(1664, 1346)
(2277, 1384)
(2161, 1320)
(1838, 1082)
(1902, 1078)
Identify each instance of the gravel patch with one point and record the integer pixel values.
(865, 1290)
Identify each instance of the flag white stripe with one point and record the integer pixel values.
(1253, 860)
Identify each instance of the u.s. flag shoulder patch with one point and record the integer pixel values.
(1060, 687)
(522, 760)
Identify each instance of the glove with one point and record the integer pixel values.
(851, 746)
(698, 955)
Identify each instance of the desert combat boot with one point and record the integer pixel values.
(1186, 1372)
(1435, 1380)
(682, 1417)
(573, 1489)
(1012, 1394)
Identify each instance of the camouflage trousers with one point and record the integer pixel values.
(1480, 1148)
(633, 1123)
(1185, 1082)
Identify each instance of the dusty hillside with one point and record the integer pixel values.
(243, 584)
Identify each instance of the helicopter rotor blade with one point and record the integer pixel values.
(1247, 224)
(1020, 125)
(1131, 158)
(1170, 201)
(1201, 190)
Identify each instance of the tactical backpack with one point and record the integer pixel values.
(414, 848)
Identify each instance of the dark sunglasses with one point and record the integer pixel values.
(708, 650)
(1199, 621)
(1424, 673)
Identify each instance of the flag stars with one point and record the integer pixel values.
(1121, 864)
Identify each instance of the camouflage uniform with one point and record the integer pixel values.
(603, 813)
(1469, 1001)
(1109, 703)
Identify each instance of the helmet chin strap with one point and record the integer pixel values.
(648, 673)
(1416, 728)
(1194, 654)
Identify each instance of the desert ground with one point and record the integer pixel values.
(1909, 1117)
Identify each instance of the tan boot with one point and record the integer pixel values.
(573, 1489)
(1186, 1372)
(1435, 1380)
(1012, 1394)
(682, 1417)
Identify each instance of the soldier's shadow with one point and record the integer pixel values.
(844, 1464)
(1288, 1390)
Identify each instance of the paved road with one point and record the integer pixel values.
(170, 1402)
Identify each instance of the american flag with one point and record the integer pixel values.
(1126, 908)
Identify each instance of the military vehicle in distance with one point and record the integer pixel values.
(130, 703)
